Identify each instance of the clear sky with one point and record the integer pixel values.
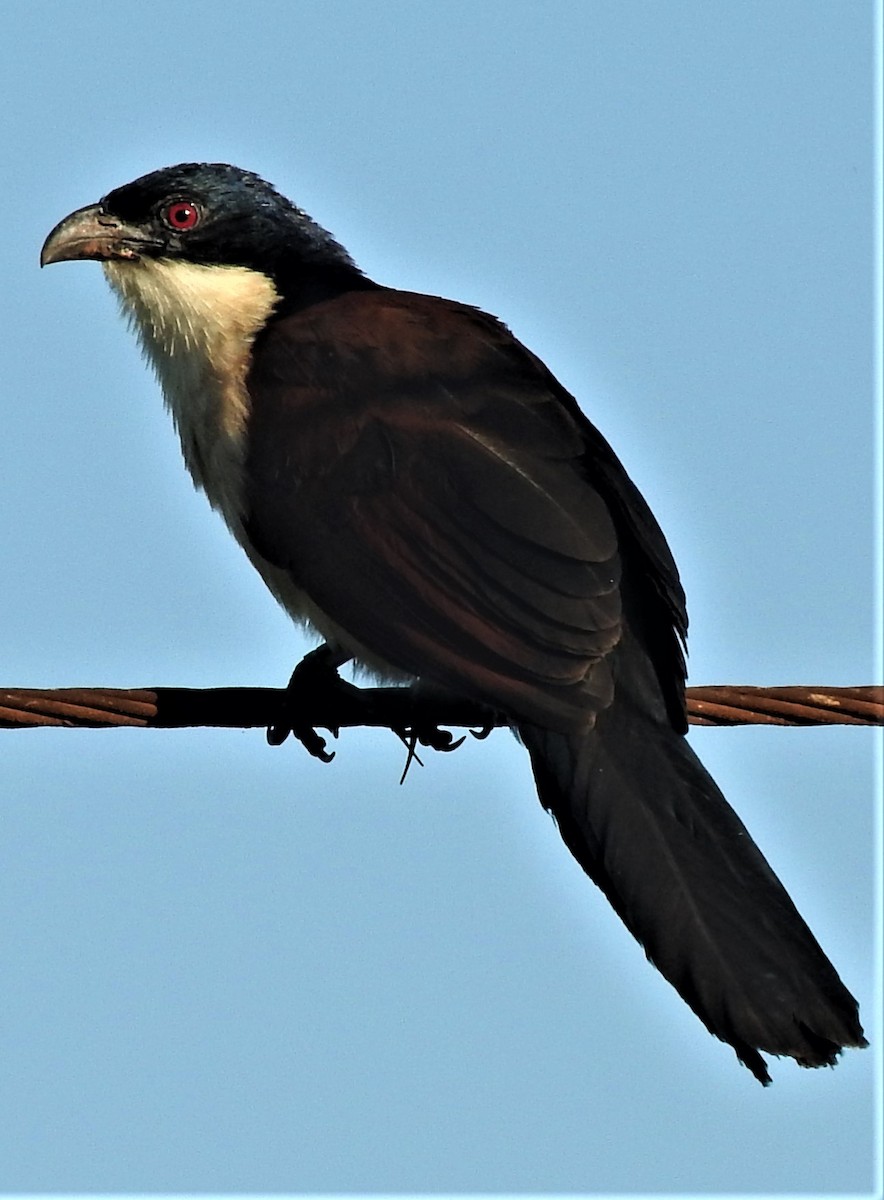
(227, 968)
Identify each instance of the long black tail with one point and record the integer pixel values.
(648, 824)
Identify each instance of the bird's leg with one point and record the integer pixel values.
(315, 676)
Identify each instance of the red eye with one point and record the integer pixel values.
(182, 215)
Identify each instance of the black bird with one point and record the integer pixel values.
(415, 485)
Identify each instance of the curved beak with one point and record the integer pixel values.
(92, 233)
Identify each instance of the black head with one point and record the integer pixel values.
(209, 213)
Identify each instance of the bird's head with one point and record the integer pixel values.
(201, 257)
(211, 214)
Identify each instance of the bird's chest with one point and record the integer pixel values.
(197, 325)
(209, 407)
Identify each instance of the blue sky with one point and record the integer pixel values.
(227, 968)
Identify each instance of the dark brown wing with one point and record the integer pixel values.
(440, 497)
(418, 474)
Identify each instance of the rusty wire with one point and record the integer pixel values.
(244, 708)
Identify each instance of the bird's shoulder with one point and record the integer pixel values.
(375, 345)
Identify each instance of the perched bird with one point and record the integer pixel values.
(414, 484)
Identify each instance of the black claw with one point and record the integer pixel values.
(430, 736)
(446, 741)
(314, 744)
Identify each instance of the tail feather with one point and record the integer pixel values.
(648, 824)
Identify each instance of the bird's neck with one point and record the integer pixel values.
(197, 324)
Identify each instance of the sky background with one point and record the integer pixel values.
(228, 968)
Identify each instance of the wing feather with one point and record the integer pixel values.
(436, 505)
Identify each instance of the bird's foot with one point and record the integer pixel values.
(425, 733)
(315, 679)
(317, 690)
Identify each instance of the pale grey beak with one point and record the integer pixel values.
(92, 233)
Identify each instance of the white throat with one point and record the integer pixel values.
(196, 325)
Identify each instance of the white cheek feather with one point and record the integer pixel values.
(196, 325)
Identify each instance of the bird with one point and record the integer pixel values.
(416, 487)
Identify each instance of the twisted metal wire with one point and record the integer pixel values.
(243, 708)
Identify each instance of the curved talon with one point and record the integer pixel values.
(314, 744)
(441, 740)
(306, 735)
(434, 738)
(481, 734)
(276, 734)
(430, 736)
